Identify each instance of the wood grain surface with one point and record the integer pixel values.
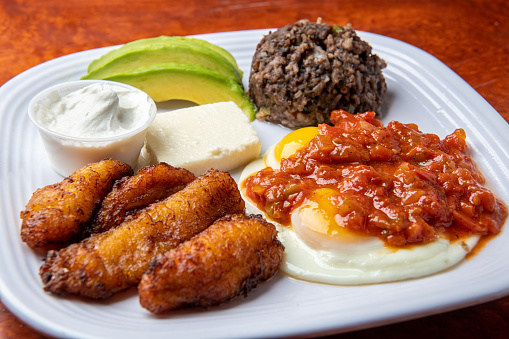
(469, 36)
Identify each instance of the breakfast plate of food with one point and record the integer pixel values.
(300, 182)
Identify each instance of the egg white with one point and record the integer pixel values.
(351, 259)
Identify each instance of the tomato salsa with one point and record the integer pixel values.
(394, 182)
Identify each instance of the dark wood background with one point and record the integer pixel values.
(471, 37)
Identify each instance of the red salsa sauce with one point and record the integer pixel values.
(394, 182)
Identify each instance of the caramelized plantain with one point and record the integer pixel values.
(57, 213)
(131, 194)
(228, 259)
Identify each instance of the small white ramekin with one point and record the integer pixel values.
(67, 153)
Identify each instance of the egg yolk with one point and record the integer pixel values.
(322, 199)
(317, 224)
(294, 141)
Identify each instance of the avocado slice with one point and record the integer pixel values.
(176, 53)
(163, 49)
(217, 49)
(191, 82)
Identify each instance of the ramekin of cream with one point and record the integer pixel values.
(85, 121)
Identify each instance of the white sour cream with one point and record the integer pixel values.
(85, 121)
(95, 111)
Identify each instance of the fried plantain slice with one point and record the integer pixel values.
(115, 260)
(57, 213)
(131, 194)
(228, 259)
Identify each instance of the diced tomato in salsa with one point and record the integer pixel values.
(395, 182)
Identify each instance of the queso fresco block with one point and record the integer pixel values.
(198, 138)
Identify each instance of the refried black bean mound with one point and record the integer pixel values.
(302, 72)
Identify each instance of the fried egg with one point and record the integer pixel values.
(317, 249)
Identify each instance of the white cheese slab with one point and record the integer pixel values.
(198, 138)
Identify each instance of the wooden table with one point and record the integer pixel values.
(471, 37)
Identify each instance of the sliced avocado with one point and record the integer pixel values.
(192, 82)
(218, 49)
(131, 46)
(159, 54)
(139, 49)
